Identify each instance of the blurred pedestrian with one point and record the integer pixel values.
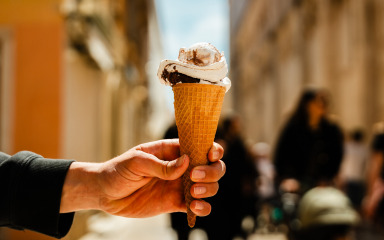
(325, 213)
(236, 198)
(374, 201)
(265, 187)
(265, 169)
(353, 169)
(310, 147)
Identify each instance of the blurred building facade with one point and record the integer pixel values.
(278, 47)
(76, 81)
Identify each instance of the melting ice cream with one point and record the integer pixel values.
(200, 63)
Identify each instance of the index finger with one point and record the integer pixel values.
(168, 149)
(215, 153)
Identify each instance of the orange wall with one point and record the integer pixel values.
(37, 29)
(37, 89)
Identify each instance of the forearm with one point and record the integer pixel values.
(31, 189)
(81, 189)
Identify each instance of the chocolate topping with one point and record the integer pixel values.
(176, 77)
(196, 60)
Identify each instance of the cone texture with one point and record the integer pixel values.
(197, 112)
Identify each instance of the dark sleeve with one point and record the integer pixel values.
(31, 187)
(284, 157)
(336, 152)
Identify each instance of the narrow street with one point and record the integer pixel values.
(108, 227)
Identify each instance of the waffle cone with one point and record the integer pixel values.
(197, 112)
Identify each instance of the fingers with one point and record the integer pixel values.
(147, 165)
(208, 173)
(171, 170)
(164, 149)
(215, 153)
(200, 208)
(204, 190)
(170, 149)
(206, 178)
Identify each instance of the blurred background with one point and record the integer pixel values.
(78, 81)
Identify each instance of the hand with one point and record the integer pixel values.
(142, 182)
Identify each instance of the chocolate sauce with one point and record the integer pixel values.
(176, 77)
(196, 60)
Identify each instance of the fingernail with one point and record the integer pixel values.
(200, 190)
(181, 160)
(215, 154)
(199, 206)
(198, 174)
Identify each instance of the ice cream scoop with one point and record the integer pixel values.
(200, 63)
(200, 54)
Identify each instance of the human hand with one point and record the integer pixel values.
(142, 182)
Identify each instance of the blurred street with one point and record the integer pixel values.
(107, 227)
(302, 126)
(103, 226)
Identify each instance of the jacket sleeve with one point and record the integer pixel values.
(30, 188)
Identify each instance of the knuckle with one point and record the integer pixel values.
(165, 166)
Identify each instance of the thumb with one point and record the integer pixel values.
(170, 170)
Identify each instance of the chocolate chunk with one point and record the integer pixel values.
(196, 60)
(177, 77)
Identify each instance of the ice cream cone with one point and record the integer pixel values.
(197, 112)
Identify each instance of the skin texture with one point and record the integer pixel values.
(144, 181)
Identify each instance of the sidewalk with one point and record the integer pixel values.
(107, 227)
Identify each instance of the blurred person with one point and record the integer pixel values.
(310, 148)
(352, 175)
(42, 194)
(265, 188)
(374, 200)
(236, 199)
(265, 169)
(325, 213)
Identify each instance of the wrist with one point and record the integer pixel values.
(81, 189)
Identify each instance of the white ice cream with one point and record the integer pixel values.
(201, 61)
